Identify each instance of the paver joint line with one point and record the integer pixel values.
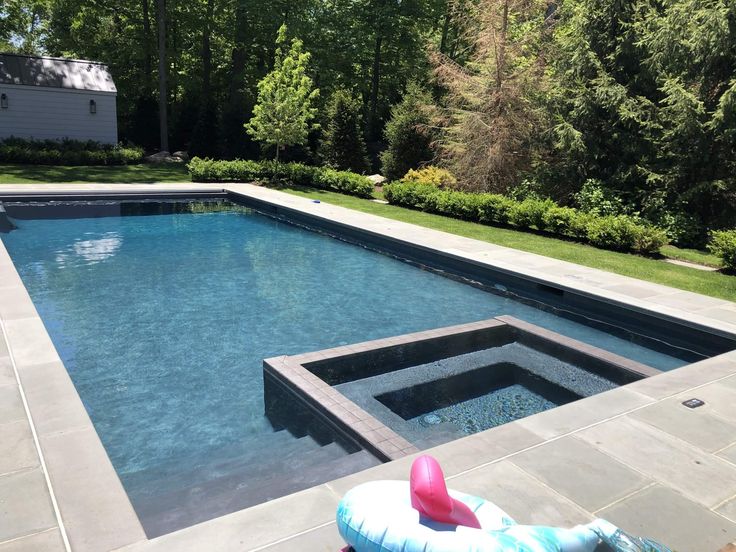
(37, 444)
(574, 431)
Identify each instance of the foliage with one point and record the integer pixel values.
(645, 103)
(205, 139)
(593, 198)
(208, 170)
(723, 244)
(343, 146)
(442, 178)
(407, 134)
(284, 111)
(489, 122)
(67, 152)
(618, 233)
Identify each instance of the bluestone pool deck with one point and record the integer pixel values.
(633, 455)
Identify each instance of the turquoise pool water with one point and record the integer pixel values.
(162, 322)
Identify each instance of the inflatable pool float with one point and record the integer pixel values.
(422, 515)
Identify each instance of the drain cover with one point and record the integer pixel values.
(693, 403)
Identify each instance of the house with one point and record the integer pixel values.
(55, 98)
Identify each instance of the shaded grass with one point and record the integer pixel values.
(117, 174)
(715, 284)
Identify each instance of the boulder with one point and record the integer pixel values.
(162, 157)
(377, 179)
(184, 156)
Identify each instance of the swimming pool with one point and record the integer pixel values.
(162, 322)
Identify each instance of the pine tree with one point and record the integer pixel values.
(343, 146)
(283, 114)
(407, 134)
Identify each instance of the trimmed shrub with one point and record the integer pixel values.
(616, 232)
(67, 152)
(619, 233)
(723, 244)
(530, 213)
(209, 170)
(442, 178)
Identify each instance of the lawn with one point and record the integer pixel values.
(119, 174)
(715, 284)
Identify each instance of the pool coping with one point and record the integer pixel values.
(90, 507)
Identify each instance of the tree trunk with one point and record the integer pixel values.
(501, 48)
(162, 99)
(446, 28)
(147, 55)
(207, 52)
(278, 147)
(238, 58)
(375, 81)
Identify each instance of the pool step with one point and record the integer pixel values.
(259, 478)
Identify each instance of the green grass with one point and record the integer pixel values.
(691, 255)
(119, 174)
(715, 284)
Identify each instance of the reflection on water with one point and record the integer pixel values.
(91, 251)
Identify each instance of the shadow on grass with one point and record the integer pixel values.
(119, 174)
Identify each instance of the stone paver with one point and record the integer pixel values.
(522, 496)
(11, 405)
(17, 449)
(599, 480)
(720, 399)
(252, 528)
(7, 374)
(15, 303)
(31, 343)
(700, 476)
(95, 510)
(699, 426)
(666, 516)
(324, 539)
(53, 398)
(729, 454)
(25, 505)
(582, 413)
(728, 509)
(48, 541)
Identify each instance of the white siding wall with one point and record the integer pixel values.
(41, 113)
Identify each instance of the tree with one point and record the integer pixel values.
(162, 74)
(343, 145)
(407, 134)
(489, 121)
(284, 111)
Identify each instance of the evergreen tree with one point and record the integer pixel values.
(407, 134)
(343, 146)
(282, 117)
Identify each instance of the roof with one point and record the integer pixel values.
(55, 73)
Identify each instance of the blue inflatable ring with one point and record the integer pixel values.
(378, 517)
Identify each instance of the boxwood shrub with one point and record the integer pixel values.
(723, 244)
(619, 233)
(209, 170)
(67, 152)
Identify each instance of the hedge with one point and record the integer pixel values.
(723, 244)
(67, 152)
(619, 233)
(210, 170)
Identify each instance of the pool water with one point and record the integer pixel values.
(163, 320)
